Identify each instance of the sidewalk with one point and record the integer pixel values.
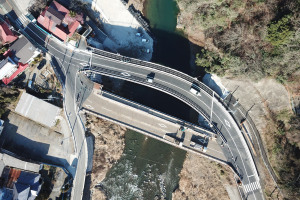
(67, 144)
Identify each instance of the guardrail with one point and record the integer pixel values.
(166, 89)
(157, 67)
(158, 113)
(258, 138)
(154, 85)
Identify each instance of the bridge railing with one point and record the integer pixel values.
(161, 88)
(157, 67)
(154, 85)
(158, 113)
(175, 73)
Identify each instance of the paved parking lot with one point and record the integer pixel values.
(32, 140)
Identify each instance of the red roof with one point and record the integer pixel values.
(6, 35)
(20, 69)
(59, 8)
(58, 29)
(72, 27)
(13, 177)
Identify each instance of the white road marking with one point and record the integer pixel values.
(162, 125)
(102, 56)
(90, 107)
(227, 123)
(125, 74)
(251, 187)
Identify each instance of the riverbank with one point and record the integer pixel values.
(109, 144)
(201, 178)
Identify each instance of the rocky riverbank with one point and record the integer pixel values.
(108, 148)
(201, 178)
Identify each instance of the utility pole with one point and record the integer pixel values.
(91, 58)
(236, 102)
(211, 109)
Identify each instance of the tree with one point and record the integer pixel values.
(279, 32)
(72, 14)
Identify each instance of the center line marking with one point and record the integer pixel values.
(227, 123)
(162, 125)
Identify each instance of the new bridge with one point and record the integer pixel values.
(68, 62)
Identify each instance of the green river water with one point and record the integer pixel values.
(148, 168)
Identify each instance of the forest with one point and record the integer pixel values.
(254, 39)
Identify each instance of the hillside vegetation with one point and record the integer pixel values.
(254, 39)
(8, 97)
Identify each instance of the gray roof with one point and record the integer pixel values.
(54, 15)
(23, 49)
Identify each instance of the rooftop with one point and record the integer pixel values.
(37, 109)
(6, 35)
(23, 50)
(53, 18)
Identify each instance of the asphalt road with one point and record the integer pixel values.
(155, 123)
(237, 152)
(67, 63)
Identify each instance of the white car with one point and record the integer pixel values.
(195, 91)
(150, 77)
(150, 80)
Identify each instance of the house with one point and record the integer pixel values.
(23, 51)
(56, 19)
(19, 179)
(17, 58)
(6, 35)
(7, 67)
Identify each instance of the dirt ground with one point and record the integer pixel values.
(201, 178)
(109, 146)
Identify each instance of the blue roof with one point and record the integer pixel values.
(28, 178)
(6, 194)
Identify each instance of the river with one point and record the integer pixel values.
(148, 168)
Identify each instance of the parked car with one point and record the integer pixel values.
(150, 77)
(195, 89)
(146, 50)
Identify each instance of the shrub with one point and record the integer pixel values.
(279, 32)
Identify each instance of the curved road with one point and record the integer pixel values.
(67, 62)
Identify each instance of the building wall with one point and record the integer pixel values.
(8, 69)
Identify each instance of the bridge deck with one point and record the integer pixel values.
(142, 118)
